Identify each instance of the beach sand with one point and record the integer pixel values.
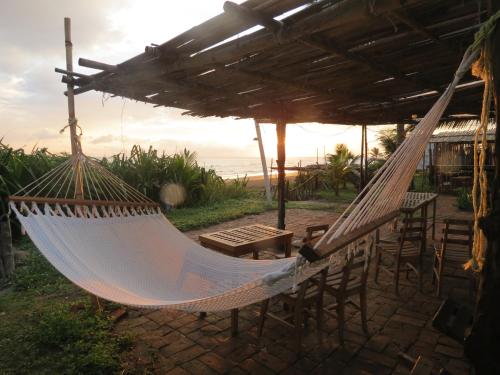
(258, 181)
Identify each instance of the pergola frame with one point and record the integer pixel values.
(329, 61)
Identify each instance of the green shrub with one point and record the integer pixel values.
(236, 188)
(464, 199)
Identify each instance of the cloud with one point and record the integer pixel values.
(102, 139)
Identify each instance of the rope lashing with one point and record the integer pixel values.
(482, 68)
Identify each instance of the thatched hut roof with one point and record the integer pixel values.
(327, 61)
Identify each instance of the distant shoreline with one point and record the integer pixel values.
(257, 181)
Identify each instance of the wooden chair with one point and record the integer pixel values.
(345, 282)
(405, 251)
(455, 249)
(299, 307)
(314, 232)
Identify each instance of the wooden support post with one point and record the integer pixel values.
(72, 122)
(281, 136)
(267, 183)
(7, 260)
(400, 132)
(483, 346)
(366, 155)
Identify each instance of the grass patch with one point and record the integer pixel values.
(345, 195)
(198, 217)
(48, 327)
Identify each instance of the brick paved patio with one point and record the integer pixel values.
(169, 342)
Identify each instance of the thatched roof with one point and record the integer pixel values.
(327, 61)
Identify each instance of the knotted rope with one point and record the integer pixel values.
(482, 68)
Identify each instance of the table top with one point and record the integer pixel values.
(414, 200)
(246, 237)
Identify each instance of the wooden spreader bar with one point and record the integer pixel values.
(81, 202)
(325, 250)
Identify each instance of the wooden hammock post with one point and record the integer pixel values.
(267, 183)
(483, 346)
(72, 123)
(280, 162)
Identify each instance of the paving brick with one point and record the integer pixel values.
(449, 351)
(378, 342)
(188, 354)
(405, 319)
(215, 362)
(196, 367)
(253, 367)
(270, 361)
(377, 358)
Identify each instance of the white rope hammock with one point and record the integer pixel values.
(115, 243)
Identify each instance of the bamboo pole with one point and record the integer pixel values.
(267, 183)
(72, 123)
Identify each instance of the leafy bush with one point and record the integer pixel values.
(464, 199)
(146, 170)
(236, 188)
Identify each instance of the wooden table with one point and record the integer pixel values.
(415, 201)
(250, 239)
(244, 240)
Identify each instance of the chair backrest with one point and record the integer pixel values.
(457, 232)
(313, 232)
(358, 266)
(413, 229)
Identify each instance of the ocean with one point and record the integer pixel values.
(250, 166)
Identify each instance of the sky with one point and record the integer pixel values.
(33, 108)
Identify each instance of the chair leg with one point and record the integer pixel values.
(439, 277)
(341, 319)
(263, 311)
(420, 274)
(378, 257)
(319, 317)
(299, 321)
(434, 270)
(396, 277)
(363, 308)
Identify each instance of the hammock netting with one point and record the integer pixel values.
(115, 243)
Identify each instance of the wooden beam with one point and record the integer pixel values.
(280, 161)
(405, 18)
(323, 44)
(97, 65)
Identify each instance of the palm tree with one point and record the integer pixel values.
(339, 166)
(375, 153)
(388, 139)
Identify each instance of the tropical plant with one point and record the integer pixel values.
(375, 153)
(388, 139)
(339, 167)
